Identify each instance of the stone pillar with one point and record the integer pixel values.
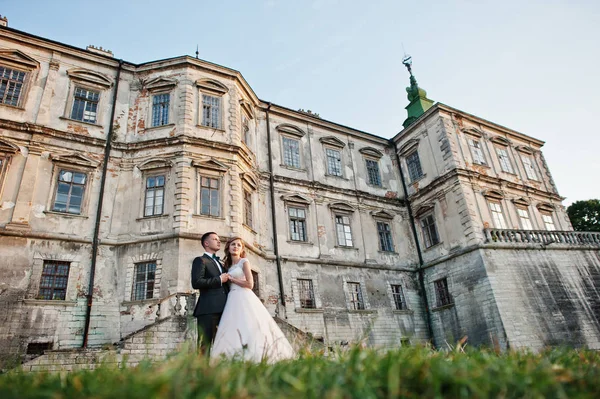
(22, 211)
(44, 113)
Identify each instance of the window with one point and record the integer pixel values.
(373, 175)
(476, 151)
(505, 164)
(210, 195)
(291, 152)
(306, 293)
(245, 129)
(143, 285)
(398, 295)
(529, 169)
(3, 165)
(384, 232)
(211, 111)
(297, 224)
(85, 105)
(497, 215)
(53, 285)
(442, 294)
(334, 162)
(548, 222)
(524, 218)
(356, 298)
(11, 85)
(344, 231)
(414, 166)
(255, 288)
(247, 208)
(69, 192)
(155, 193)
(160, 109)
(430, 234)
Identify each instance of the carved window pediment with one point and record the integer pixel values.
(524, 202)
(212, 86)
(88, 76)
(493, 194)
(211, 164)
(525, 149)
(290, 129)
(248, 109)
(8, 147)
(424, 210)
(474, 132)
(332, 141)
(371, 152)
(154, 163)
(410, 146)
(18, 58)
(296, 199)
(250, 180)
(545, 207)
(161, 83)
(341, 207)
(75, 159)
(381, 214)
(501, 141)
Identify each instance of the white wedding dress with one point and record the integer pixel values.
(246, 330)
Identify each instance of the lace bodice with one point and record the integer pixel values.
(237, 271)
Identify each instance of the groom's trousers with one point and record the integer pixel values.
(207, 329)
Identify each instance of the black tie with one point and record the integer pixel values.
(215, 257)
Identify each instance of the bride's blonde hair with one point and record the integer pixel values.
(227, 259)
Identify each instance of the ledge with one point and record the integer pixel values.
(439, 308)
(66, 214)
(158, 127)
(48, 302)
(215, 129)
(250, 229)
(362, 311)
(309, 310)
(403, 311)
(78, 121)
(166, 215)
(293, 168)
(300, 242)
(143, 302)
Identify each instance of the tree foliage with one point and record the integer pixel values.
(585, 215)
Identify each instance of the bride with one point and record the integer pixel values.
(247, 330)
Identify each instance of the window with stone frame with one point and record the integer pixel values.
(355, 296)
(306, 293)
(155, 195)
(398, 297)
(373, 174)
(529, 168)
(70, 191)
(334, 162)
(245, 134)
(12, 85)
(210, 196)
(297, 222)
(256, 286)
(548, 221)
(161, 103)
(85, 104)
(211, 111)
(54, 280)
(144, 280)
(413, 163)
(343, 229)
(524, 218)
(504, 160)
(3, 168)
(442, 294)
(497, 215)
(247, 208)
(384, 232)
(86, 90)
(429, 230)
(476, 151)
(291, 151)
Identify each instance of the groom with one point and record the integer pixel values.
(210, 278)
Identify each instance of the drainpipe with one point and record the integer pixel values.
(95, 240)
(416, 237)
(272, 188)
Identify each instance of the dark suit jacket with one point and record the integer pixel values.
(213, 294)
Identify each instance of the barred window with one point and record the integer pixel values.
(11, 85)
(529, 169)
(291, 152)
(414, 166)
(548, 222)
(306, 293)
(398, 295)
(247, 208)
(373, 175)
(53, 285)
(430, 234)
(385, 237)
(160, 109)
(344, 230)
(69, 192)
(524, 218)
(497, 215)
(143, 285)
(85, 105)
(155, 193)
(211, 111)
(442, 294)
(334, 162)
(477, 151)
(297, 218)
(210, 195)
(505, 164)
(356, 297)
(255, 288)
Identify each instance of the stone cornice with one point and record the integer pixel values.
(31, 128)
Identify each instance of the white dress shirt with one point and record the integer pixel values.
(214, 260)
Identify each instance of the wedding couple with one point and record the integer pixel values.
(228, 312)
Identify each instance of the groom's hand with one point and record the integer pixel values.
(224, 277)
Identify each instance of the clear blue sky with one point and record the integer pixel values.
(532, 66)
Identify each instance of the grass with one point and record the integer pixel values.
(414, 372)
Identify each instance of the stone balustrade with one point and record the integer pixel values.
(543, 237)
(178, 304)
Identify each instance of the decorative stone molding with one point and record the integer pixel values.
(332, 141)
(75, 159)
(18, 58)
(410, 146)
(502, 141)
(212, 86)
(545, 207)
(160, 83)
(154, 163)
(525, 149)
(522, 201)
(8, 147)
(211, 164)
(381, 214)
(341, 207)
(290, 129)
(371, 152)
(296, 199)
(493, 194)
(90, 77)
(472, 131)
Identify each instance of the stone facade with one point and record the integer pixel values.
(111, 172)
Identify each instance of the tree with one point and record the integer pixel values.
(585, 215)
